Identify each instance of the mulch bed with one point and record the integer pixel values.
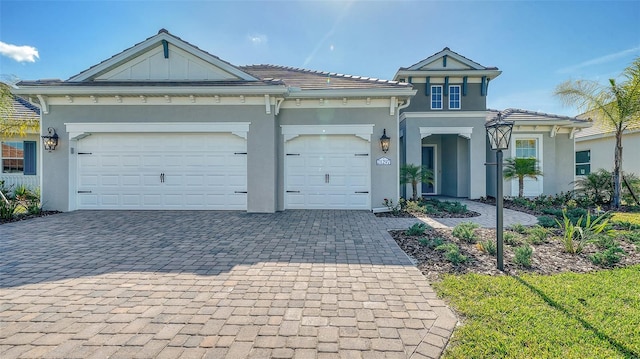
(547, 258)
(22, 217)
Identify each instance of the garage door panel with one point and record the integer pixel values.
(201, 171)
(326, 172)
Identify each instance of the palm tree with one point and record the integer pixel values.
(520, 168)
(616, 105)
(413, 174)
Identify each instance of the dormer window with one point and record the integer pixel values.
(436, 97)
(454, 97)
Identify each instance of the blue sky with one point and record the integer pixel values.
(537, 44)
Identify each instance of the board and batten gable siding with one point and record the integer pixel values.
(383, 178)
(421, 102)
(261, 147)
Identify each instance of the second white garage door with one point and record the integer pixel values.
(327, 172)
(162, 171)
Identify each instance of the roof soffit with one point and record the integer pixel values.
(187, 53)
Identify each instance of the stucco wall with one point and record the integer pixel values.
(261, 160)
(384, 180)
(602, 152)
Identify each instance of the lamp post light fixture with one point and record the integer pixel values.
(50, 142)
(499, 132)
(385, 141)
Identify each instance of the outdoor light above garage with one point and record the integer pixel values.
(50, 142)
(385, 141)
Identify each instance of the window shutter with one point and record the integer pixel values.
(446, 85)
(30, 150)
(464, 86)
(427, 87)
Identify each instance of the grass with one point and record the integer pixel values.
(626, 217)
(569, 315)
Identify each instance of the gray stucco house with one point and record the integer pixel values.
(166, 125)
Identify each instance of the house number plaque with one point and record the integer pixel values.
(383, 161)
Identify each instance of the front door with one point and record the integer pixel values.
(429, 160)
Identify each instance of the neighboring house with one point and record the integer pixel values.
(547, 138)
(595, 147)
(19, 156)
(166, 125)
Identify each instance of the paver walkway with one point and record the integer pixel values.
(486, 219)
(198, 284)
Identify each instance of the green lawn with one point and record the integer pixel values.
(595, 315)
(626, 217)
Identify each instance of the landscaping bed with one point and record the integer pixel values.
(547, 257)
(429, 207)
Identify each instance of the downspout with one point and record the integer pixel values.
(401, 107)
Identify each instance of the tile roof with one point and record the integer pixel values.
(24, 110)
(515, 114)
(318, 80)
(148, 83)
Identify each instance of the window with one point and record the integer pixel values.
(19, 157)
(526, 148)
(454, 97)
(436, 97)
(583, 163)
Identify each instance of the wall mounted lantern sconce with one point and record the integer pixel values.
(51, 141)
(385, 141)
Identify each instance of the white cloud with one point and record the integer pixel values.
(258, 39)
(599, 60)
(19, 53)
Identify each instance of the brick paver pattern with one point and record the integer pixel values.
(201, 284)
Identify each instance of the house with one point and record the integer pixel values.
(19, 156)
(166, 125)
(595, 147)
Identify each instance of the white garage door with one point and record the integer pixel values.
(327, 172)
(162, 171)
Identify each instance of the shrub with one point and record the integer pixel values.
(487, 246)
(608, 257)
(523, 256)
(417, 229)
(452, 253)
(466, 232)
(519, 228)
(8, 209)
(454, 207)
(547, 221)
(596, 187)
(414, 206)
(572, 239)
(511, 238)
(395, 209)
(431, 242)
(538, 235)
(603, 241)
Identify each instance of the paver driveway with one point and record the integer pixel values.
(192, 284)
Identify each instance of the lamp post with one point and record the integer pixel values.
(499, 132)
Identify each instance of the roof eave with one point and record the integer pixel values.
(147, 90)
(489, 73)
(324, 93)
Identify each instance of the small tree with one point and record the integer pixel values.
(414, 174)
(520, 168)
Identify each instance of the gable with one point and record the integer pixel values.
(163, 57)
(179, 65)
(448, 64)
